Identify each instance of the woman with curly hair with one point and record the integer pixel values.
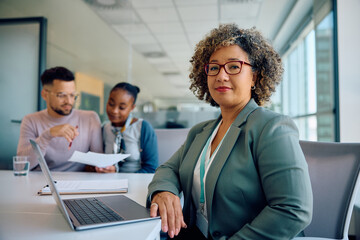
(242, 175)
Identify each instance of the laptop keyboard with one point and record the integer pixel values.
(91, 210)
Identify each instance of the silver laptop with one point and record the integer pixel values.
(94, 212)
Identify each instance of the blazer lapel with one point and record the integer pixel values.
(224, 152)
(192, 155)
(189, 162)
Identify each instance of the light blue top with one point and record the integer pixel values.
(141, 143)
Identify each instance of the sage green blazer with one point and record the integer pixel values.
(258, 185)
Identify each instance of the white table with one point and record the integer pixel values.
(25, 215)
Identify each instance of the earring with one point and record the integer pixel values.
(253, 87)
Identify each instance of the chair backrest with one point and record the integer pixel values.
(334, 173)
(169, 141)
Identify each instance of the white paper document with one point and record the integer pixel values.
(88, 186)
(97, 159)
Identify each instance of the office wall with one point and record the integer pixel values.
(349, 77)
(90, 85)
(349, 70)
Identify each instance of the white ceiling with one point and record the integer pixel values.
(92, 36)
(165, 32)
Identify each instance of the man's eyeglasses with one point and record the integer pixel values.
(62, 96)
(231, 68)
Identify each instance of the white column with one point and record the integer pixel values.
(348, 12)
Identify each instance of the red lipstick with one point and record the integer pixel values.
(222, 89)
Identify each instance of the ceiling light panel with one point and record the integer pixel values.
(119, 16)
(193, 3)
(108, 4)
(131, 29)
(153, 15)
(147, 48)
(154, 54)
(151, 4)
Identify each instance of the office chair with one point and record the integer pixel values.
(169, 141)
(334, 173)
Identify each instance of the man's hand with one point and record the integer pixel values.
(169, 207)
(67, 131)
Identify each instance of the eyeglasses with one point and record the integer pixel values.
(62, 96)
(231, 68)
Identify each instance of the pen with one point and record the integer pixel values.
(47, 185)
(72, 141)
(41, 190)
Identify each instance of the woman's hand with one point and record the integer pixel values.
(108, 169)
(169, 207)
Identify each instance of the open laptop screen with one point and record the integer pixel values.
(50, 181)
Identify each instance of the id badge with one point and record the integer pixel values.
(202, 223)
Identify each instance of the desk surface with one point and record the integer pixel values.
(25, 215)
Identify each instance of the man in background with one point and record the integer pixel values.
(59, 129)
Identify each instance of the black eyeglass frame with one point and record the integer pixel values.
(223, 65)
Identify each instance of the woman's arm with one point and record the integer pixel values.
(148, 144)
(169, 208)
(286, 184)
(163, 195)
(165, 188)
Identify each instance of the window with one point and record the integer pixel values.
(307, 90)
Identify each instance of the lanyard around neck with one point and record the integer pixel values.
(202, 164)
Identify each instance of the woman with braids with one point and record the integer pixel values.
(127, 134)
(242, 175)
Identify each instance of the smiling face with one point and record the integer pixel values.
(231, 91)
(119, 106)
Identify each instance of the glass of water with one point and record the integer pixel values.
(21, 165)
